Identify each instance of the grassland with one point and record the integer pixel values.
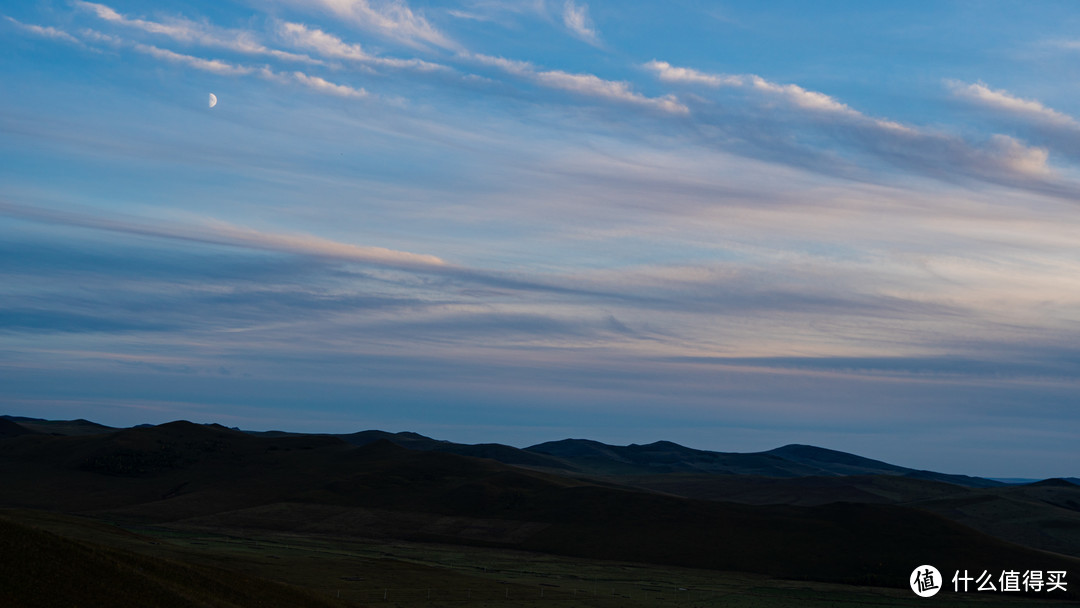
(180, 565)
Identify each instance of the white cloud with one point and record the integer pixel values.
(316, 83)
(391, 18)
(583, 84)
(576, 19)
(325, 44)
(669, 73)
(325, 86)
(1001, 100)
(594, 86)
(328, 45)
(45, 31)
(187, 31)
(809, 100)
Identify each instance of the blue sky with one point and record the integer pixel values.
(732, 225)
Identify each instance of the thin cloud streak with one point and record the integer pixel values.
(216, 232)
(224, 68)
(588, 85)
(221, 233)
(44, 31)
(183, 30)
(215, 66)
(325, 86)
(929, 368)
(1003, 101)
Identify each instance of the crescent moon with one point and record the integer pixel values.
(213, 100)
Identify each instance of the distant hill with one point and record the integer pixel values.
(842, 463)
(60, 427)
(1057, 482)
(583, 456)
(219, 478)
(495, 451)
(789, 461)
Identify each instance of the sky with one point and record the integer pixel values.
(732, 225)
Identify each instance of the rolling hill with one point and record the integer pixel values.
(594, 458)
(210, 476)
(60, 427)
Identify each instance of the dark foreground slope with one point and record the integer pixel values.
(41, 569)
(214, 477)
(10, 428)
(1045, 515)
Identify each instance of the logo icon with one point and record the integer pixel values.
(925, 581)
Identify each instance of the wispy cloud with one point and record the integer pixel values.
(390, 18)
(1003, 101)
(325, 86)
(184, 30)
(669, 73)
(45, 31)
(332, 47)
(222, 233)
(588, 85)
(315, 83)
(576, 19)
(224, 68)
(215, 66)
(469, 16)
(1001, 159)
(793, 94)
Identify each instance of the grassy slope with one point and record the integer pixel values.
(1044, 516)
(43, 569)
(424, 575)
(805, 491)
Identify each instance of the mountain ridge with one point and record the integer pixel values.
(595, 458)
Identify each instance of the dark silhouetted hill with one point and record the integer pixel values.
(841, 463)
(495, 451)
(208, 475)
(61, 427)
(598, 458)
